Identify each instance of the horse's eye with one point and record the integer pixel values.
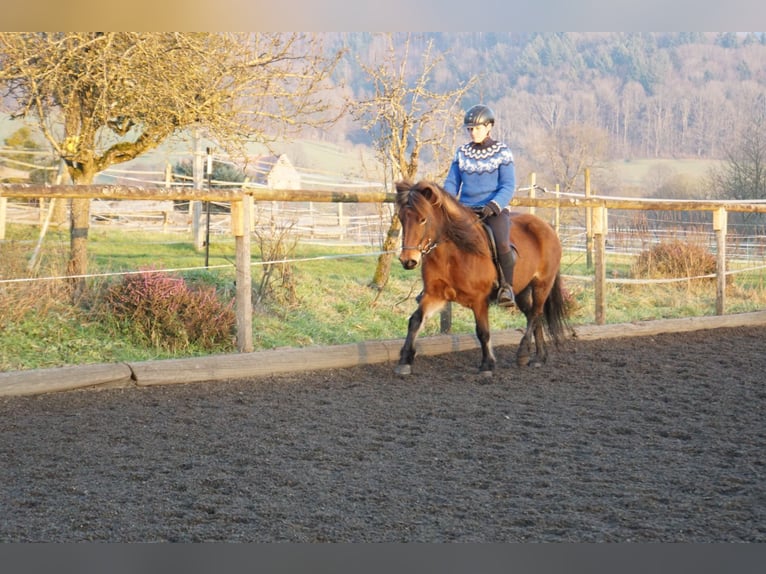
(422, 221)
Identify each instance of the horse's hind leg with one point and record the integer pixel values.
(525, 345)
(541, 353)
(525, 302)
(541, 293)
(532, 306)
(481, 315)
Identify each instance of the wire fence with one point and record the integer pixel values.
(366, 226)
(361, 225)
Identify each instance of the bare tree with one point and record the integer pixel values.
(106, 98)
(570, 149)
(410, 123)
(743, 174)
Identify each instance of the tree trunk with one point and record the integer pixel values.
(383, 269)
(78, 252)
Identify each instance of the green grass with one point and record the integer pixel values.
(333, 301)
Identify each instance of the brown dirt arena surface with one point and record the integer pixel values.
(657, 438)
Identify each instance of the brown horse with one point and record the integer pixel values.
(449, 242)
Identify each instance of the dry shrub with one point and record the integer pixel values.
(276, 244)
(30, 294)
(674, 259)
(571, 299)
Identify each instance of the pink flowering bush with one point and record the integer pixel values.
(163, 311)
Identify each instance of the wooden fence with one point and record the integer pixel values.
(241, 221)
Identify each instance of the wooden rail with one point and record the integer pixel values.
(21, 191)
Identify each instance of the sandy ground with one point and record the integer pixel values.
(657, 438)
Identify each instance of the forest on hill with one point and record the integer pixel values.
(566, 99)
(679, 94)
(623, 96)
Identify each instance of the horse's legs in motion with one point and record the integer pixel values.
(426, 308)
(541, 352)
(429, 307)
(533, 309)
(523, 353)
(481, 315)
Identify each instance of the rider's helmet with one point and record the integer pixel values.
(478, 115)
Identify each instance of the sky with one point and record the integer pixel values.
(388, 15)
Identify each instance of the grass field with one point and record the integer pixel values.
(331, 302)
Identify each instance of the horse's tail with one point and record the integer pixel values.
(555, 311)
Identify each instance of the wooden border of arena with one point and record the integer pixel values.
(217, 368)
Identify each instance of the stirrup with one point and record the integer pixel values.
(505, 297)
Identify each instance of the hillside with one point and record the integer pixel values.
(682, 98)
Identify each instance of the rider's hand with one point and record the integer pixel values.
(491, 208)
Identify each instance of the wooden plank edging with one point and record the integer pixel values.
(38, 381)
(263, 363)
(680, 325)
(290, 360)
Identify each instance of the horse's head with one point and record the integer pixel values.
(430, 215)
(421, 221)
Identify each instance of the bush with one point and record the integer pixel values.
(18, 300)
(163, 311)
(674, 259)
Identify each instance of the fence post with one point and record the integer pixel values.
(588, 226)
(241, 229)
(719, 226)
(599, 234)
(195, 206)
(3, 215)
(532, 183)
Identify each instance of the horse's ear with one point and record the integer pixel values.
(431, 191)
(403, 185)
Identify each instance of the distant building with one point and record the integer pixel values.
(275, 172)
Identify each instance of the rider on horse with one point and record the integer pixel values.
(482, 177)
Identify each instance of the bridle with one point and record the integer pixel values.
(429, 246)
(426, 245)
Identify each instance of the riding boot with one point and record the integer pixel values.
(505, 293)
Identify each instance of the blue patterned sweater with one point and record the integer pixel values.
(482, 173)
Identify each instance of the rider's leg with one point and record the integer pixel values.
(501, 229)
(505, 293)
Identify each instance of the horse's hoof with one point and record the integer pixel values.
(486, 374)
(403, 370)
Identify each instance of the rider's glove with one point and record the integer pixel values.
(491, 208)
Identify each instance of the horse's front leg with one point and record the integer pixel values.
(407, 353)
(425, 309)
(481, 315)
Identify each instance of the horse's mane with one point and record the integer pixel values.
(460, 224)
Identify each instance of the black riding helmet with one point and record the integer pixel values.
(478, 115)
